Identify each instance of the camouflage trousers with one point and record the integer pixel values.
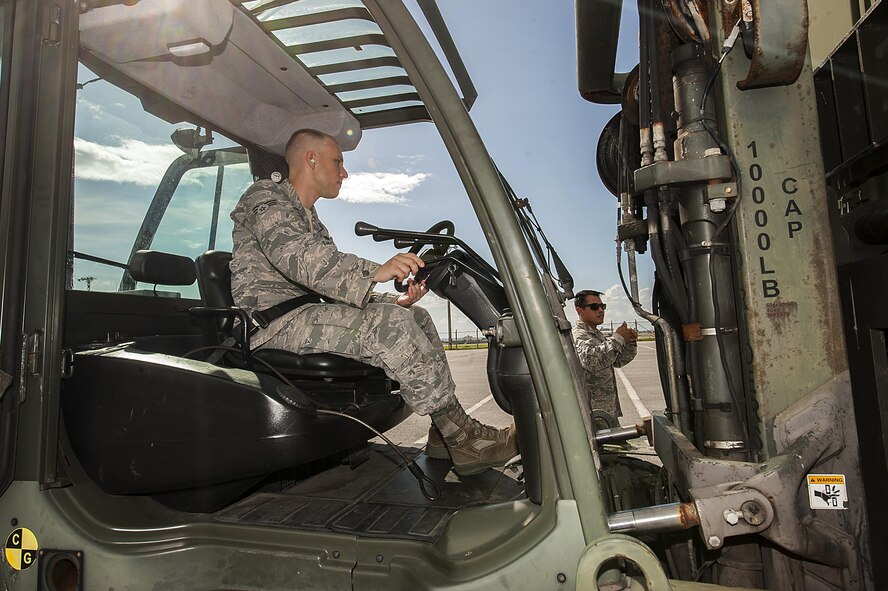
(401, 341)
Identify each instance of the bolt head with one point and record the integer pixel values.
(753, 513)
(731, 516)
(717, 205)
(715, 542)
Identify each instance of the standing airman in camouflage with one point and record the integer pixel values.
(600, 354)
(281, 250)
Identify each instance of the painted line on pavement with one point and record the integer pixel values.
(647, 347)
(633, 395)
(469, 411)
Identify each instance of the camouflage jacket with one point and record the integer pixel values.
(598, 355)
(278, 247)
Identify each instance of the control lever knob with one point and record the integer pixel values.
(365, 229)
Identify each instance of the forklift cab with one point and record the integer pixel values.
(146, 426)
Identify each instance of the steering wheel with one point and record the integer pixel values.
(443, 227)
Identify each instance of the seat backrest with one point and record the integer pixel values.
(214, 283)
(161, 268)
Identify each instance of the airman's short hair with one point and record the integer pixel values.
(304, 139)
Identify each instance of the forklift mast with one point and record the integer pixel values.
(715, 160)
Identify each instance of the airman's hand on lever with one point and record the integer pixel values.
(629, 335)
(414, 293)
(399, 267)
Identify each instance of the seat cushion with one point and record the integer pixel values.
(316, 365)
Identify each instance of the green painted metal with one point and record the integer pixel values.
(137, 549)
(544, 346)
(606, 549)
(786, 260)
(211, 556)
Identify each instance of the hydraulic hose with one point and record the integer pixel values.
(662, 269)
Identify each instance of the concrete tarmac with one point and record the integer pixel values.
(638, 385)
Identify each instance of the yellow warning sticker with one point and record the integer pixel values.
(827, 491)
(826, 479)
(21, 548)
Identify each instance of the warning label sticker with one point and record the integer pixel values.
(827, 491)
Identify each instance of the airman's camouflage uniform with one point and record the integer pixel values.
(598, 355)
(279, 246)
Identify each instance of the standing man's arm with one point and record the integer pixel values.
(627, 354)
(596, 355)
(629, 350)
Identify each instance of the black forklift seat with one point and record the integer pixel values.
(146, 419)
(214, 282)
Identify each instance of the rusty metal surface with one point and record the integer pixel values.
(781, 43)
(784, 242)
(730, 12)
(692, 332)
(688, 515)
(679, 21)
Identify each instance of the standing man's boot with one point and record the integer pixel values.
(473, 446)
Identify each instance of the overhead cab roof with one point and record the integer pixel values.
(256, 70)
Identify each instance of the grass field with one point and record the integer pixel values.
(483, 344)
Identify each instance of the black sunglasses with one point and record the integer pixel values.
(594, 306)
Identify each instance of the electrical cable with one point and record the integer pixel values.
(726, 49)
(531, 227)
(424, 481)
(722, 349)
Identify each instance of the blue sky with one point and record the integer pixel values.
(540, 132)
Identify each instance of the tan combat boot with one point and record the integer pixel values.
(473, 446)
(435, 447)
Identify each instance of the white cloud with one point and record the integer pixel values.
(131, 161)
(380, 187)
(411, 159)
(618, 306)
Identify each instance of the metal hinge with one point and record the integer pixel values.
(33, 352)
(53, 32)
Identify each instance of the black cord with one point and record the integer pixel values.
(735, 168)
(530, 227)
(80, 85)
(424, 481)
